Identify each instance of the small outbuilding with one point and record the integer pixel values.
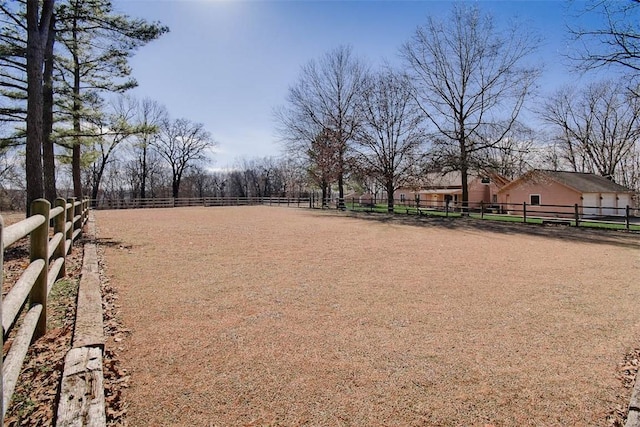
(596, 196)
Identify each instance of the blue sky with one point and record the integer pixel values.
(228, 64)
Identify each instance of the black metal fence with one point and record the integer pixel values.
(573, 215)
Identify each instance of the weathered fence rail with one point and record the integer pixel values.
(47, 264)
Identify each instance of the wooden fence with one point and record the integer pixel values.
(47, 264)
(198, 201)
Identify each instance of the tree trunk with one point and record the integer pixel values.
(324, 186)
(341, 190)
(48, 154)
(175, 188)
(464, 174)
(464, 170)
(96, 180)
(143, 178)
(390, 200)
(35, 58)
(76, 112)
(175, 184)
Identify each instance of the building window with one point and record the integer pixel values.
(494, 198)
(486, 180)
(534, 200)
(402, 198)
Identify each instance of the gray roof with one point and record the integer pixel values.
(586, 182)
(442, 180)
(453, 179)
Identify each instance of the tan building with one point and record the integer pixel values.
(437, 188)
(555, 193)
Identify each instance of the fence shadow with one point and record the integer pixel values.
(559, 232)
(109, 242)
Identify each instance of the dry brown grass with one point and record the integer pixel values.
(272, 316)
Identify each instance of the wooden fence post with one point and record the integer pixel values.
(81, 211)
(77, 212)
(85, 210)
(577, 214)
(58, 227)
(71, 201)
(39, 245)
(524, 211)
(482, 209)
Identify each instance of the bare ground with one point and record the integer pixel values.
(275, 316)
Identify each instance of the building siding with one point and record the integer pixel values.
(562, 198)
(478, 193)
(551, 193)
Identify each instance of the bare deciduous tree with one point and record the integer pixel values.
(294, 177)
(470, 77)
(597, 127)
(323, 166)
(324, 101)
(182, 143)
(516, 153)
(119, 125)
(389, 142)
(629, 172)
(150, 115)
(615, 41)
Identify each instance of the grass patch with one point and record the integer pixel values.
(589, 224)
(22, 405)
(505, 218)
(610, 226)
(399, 209)
(61, 302)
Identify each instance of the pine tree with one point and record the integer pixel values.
(98, 43)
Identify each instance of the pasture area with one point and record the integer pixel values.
(275, 316)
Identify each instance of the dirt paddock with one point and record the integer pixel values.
(276, 316)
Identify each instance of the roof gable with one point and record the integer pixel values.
(577, 181)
